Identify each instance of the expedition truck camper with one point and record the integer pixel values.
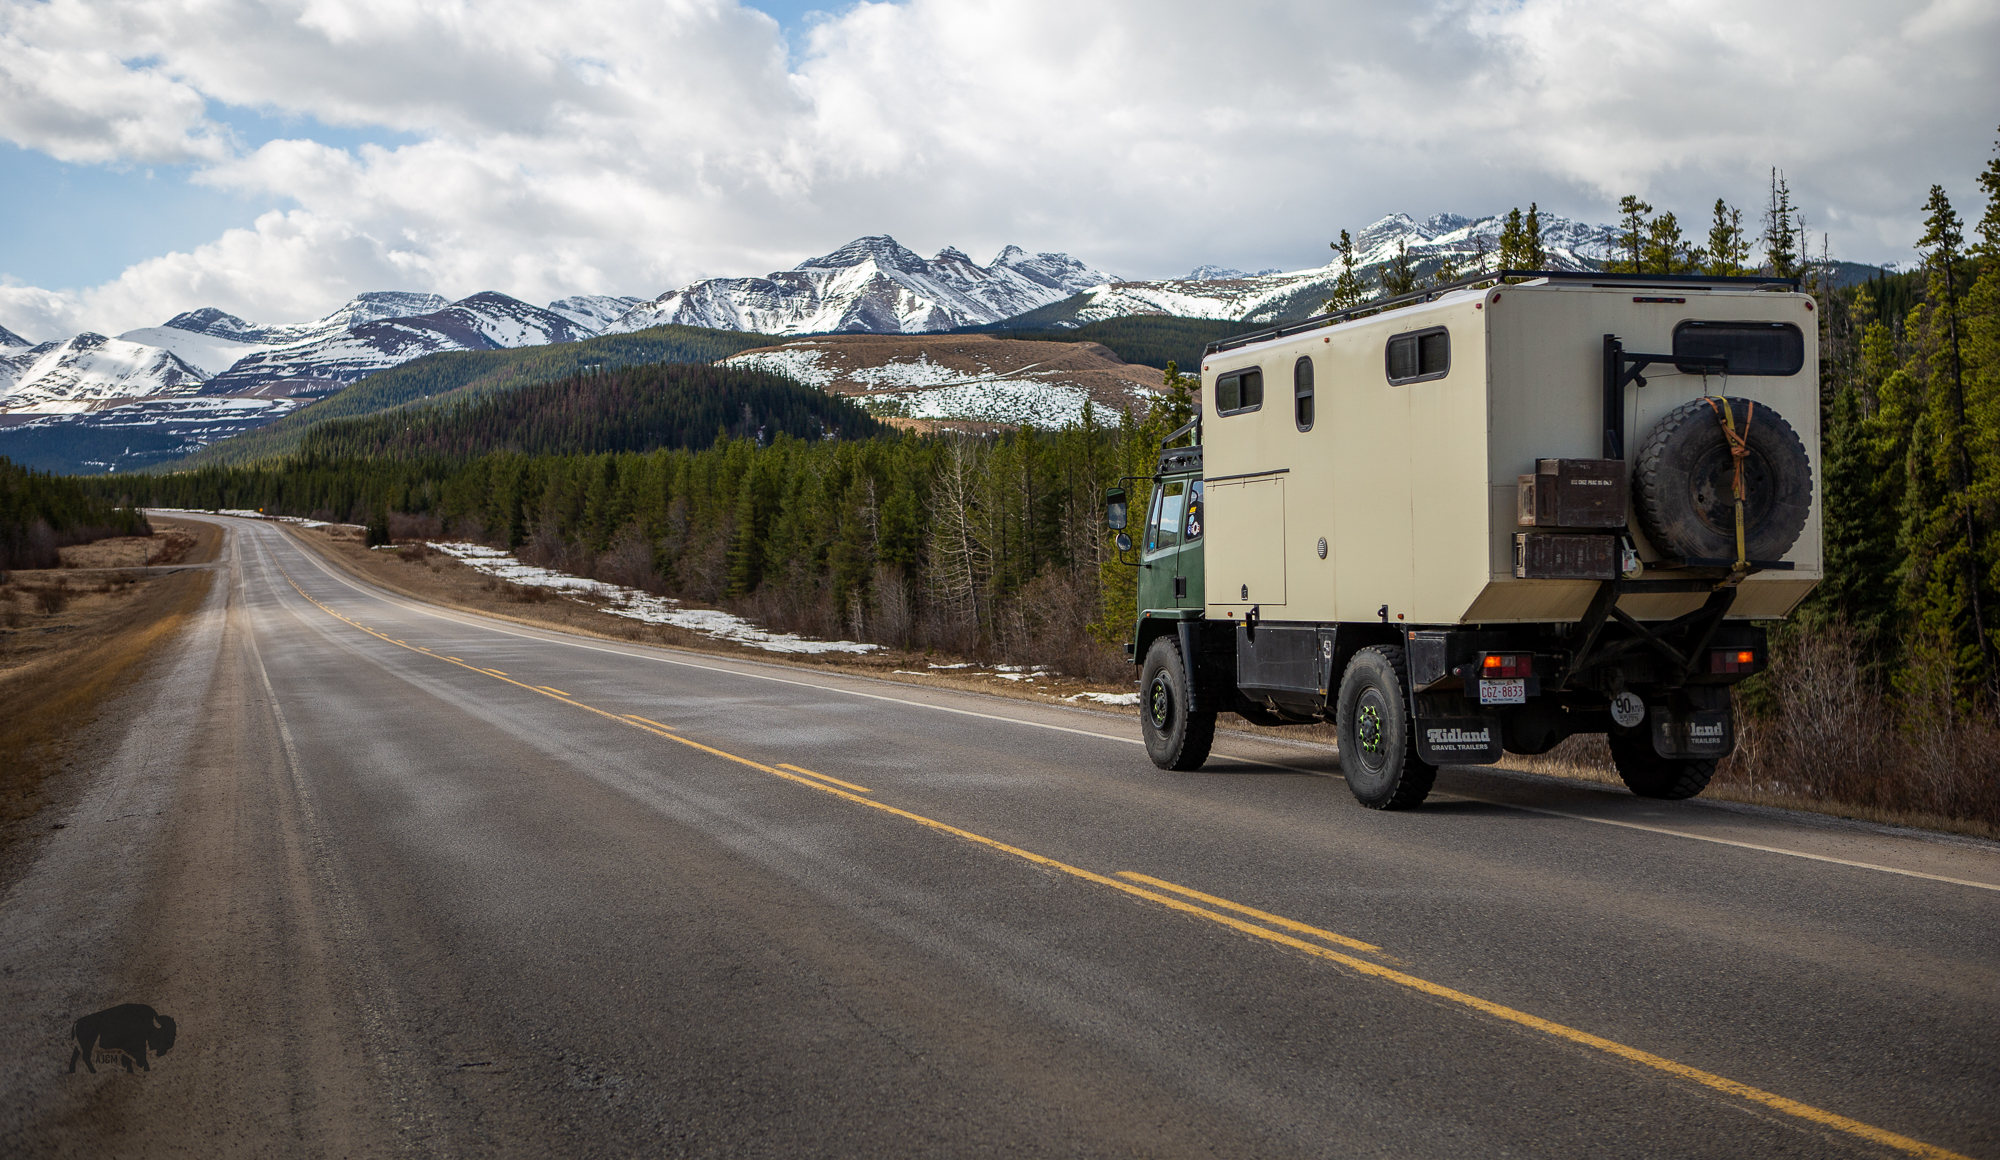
(1486, 517)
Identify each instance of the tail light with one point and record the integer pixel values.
(1506, 666)
(1732, 660)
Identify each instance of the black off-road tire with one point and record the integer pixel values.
(1649, 775)
(1683, 483)
(1378, 738)
(1175, 738)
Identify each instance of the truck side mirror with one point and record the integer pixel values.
(1114, 508)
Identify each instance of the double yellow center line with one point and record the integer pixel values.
(1270, 928)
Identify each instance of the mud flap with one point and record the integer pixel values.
(1700, 733)
(1458, 740)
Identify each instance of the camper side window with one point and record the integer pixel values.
(1302, 394)
(1752, 348)
(1239, 391)
(1425, 354)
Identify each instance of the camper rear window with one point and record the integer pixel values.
(1302, 394)
(1426, 354)
(1752, 348)
(1239, 391)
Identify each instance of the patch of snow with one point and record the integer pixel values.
(1105, 698)
(804, 366)
(996, 401)
(642, 606)
(921, 373)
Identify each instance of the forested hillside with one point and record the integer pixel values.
(40, 514)
(466, 373)
(631, 409)
(1152, 340)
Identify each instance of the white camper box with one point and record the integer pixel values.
(1412, 487)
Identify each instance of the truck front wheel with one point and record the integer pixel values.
(1378, 742)
(1175, 738)
(1649, 775)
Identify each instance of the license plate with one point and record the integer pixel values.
(1503, 692)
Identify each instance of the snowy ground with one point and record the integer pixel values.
(642, 606)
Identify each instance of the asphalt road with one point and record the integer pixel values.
(412, 881)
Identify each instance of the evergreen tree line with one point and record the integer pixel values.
(630, 409)
(1910, 374)
(41, 514)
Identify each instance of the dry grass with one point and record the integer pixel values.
(62, 657)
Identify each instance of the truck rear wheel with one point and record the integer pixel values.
(1649, 775)
(1175, 738)
(1378, 742)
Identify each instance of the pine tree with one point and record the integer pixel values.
(1781, 254)
(1946, 590)
(1532, 253)
(1400, 275)
(1513, 247)
(1862, 470)
(1665, 250)
(1172, 410)
(1631, 236)
(1728, 249)
(1347, 289)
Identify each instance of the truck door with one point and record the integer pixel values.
(1160, 551)
(1188, 566)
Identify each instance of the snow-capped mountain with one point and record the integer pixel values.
(874, 285)
(88, 369)
(1569, 245)
(485, 321)
(9, 339)
(594, 312)
(209, 352)
(1470, 244)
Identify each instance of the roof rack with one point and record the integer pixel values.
(1595, 277)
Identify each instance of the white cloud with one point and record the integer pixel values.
(625, 146)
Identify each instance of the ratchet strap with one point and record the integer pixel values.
(1739, 448)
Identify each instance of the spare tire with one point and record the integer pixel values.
(1684, 482)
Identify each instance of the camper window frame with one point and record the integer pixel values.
(1740, 324)
(1417, 337)
(1303, 404)
(1241, 408)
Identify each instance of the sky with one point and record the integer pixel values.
(275, 158)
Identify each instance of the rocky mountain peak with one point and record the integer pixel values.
(216, 324)
(880, 249)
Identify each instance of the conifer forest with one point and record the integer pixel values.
(805, 515)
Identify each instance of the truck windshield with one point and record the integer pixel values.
(1165, 531)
